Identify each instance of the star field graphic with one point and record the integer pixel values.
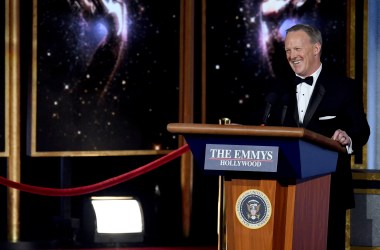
(245, 49)
(107, 75)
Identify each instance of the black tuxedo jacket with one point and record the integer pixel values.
(336, 103)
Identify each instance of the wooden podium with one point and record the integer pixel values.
(275, 181)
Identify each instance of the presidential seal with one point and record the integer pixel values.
(253, 209)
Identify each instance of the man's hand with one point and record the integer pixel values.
(341, 137)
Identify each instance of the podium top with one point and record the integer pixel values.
(258, 131)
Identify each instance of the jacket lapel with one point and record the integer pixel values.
(295, 113)
(315, 100)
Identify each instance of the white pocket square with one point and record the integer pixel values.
(329, 117)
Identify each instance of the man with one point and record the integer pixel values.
(329, 105)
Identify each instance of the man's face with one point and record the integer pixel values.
(303, 56)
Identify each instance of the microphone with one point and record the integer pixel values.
(270, 99)
(284, 103)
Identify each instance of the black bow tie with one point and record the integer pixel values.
(308, 80)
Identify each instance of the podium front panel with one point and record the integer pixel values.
(297, 158)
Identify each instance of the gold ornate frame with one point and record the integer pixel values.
(6, 78)
(351, 59)
(351, 48)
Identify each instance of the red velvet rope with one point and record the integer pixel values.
(97, 186)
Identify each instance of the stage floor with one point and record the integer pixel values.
(35, 246)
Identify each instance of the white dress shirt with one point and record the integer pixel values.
(304, 92)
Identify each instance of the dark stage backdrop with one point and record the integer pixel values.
(105, 77)
(245, 49)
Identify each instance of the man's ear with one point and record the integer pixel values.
(317, 48)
